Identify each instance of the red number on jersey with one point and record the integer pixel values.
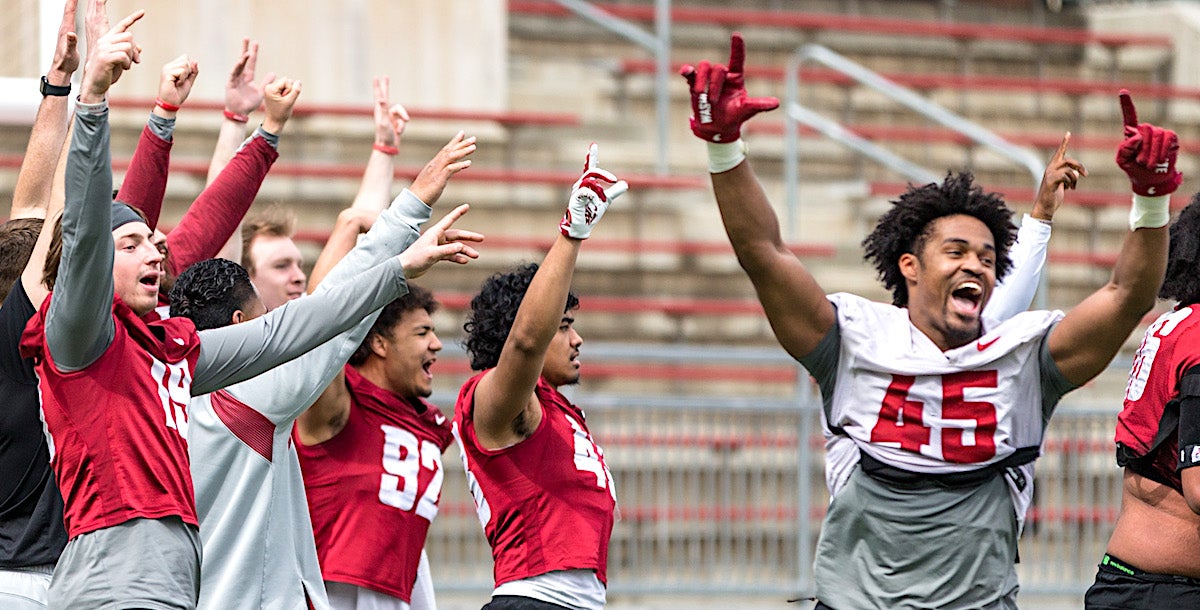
(954, 406)
(900, 419)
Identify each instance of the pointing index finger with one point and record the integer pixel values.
(737, 52)
(1062, 148)
(128, 22)
(1127, 110)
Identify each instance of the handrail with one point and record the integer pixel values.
(659, 44)
(795, 113)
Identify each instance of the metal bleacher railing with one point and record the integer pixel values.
(720, 478)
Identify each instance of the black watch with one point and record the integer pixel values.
(47, 89)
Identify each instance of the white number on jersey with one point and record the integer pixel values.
(482, 509)
(174, 383)
(398, 485)
(589, 457)
(1143, 361)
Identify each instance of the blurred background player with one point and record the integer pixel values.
(542, 490)
(31, 527)
(931, 406)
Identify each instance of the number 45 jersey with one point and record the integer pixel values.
(888, 388)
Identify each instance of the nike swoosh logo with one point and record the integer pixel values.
(179, 341)
(440, 419)
(982, 346)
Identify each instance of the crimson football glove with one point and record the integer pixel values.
(589, 198)
(720, 103)
(1147, 155)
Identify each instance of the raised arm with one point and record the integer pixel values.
(79, 324)
(795, 304)
(1028, 254)
(506, 391)
(241, 351)
(214, 217)
(428, 187)
(145, 181)
(375, 189)
(242, 97)
(1086, 340)
(31, 194)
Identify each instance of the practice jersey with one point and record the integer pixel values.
(117, 430)
(545, 503)
(373, 489)
(1148, 424)
(902, 400)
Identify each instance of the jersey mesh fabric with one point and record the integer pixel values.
(118, 428)
(370, 513)
(1169, 348)
(533, 531)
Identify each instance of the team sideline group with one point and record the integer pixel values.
(182, 431)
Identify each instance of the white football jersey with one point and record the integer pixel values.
(903, 401)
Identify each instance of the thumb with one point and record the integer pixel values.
(760, 104)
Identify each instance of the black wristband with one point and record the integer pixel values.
(47, 89)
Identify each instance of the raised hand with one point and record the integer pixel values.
(720, 103)
(590, 198)
(440, 243)
(114, 53)
(1062, 173)
(242, 94)
(66, 53)
(279, 97)
(450, 160)
(95, 24)
(389, 121)
(1148, 154)
(178, 76)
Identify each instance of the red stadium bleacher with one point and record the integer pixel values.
(735, 17)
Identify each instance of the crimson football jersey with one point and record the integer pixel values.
(1169, 348)
(374, 488)
(545, 503)
(118, 428)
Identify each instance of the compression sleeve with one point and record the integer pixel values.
(145, 180)
(284, 392)
(241, 351)
(1189, 418)
(79, 322)
(1028, 255)
(215, 215)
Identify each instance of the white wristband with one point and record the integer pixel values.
(1149, 212)
(724, 157)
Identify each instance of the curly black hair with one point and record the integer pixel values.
(493, 311)
(416, 298)
(905, 227)
(209, 292)
(1182, 282)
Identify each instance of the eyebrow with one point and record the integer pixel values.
(959, 240)
(567, 320)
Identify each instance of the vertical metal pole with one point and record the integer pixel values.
(804, 462)
(791, 147)
(662, 58)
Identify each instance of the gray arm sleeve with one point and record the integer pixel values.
(284, 392)
(241, 351)
(1054, 384)
(79, 323)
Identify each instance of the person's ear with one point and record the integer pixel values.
(909, 266)
(379, 346)
(238, 316)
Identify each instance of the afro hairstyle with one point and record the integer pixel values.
(1182, 281)
(906, 226)
(492, 313)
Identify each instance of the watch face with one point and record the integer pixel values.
(47, 89)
